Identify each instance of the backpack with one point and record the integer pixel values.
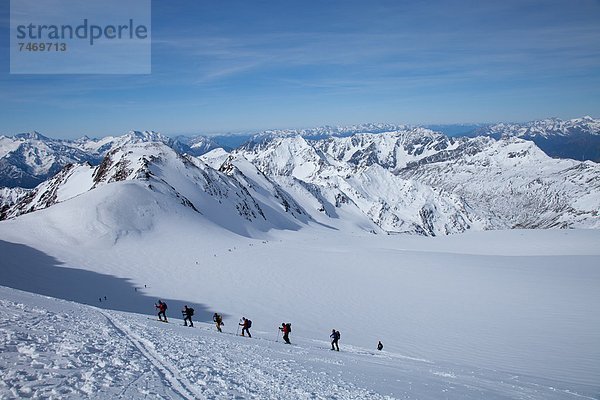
(165, 305)
(190, 311)
(248, 323)
(289, 327)
(338, 335)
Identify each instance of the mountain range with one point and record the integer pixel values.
(396, 179)
(27, 159)
(577, 138)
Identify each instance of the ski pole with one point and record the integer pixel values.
(238, 329)
(277, 335)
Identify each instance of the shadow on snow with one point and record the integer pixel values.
(25, 268)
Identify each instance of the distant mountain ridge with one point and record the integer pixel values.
(545, 128)
(409, 180)
(27, 159)
(577, 138)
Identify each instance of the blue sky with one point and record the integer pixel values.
(231, 66)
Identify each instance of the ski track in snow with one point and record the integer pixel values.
(236, 368)
(57, 349)
(100, 354)
(67, 354)
(167, 372)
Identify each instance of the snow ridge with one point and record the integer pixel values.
(177, 382)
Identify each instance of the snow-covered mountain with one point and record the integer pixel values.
(577, 138)
(229, 200)
(194, 145)
(423, 182)
(326, 131)
(28, 159)
(410, 181)
(332, 179)
(545, 128)
(392, 150)
(407, 180)
(511, 183)
(102, 146)
(253, 186)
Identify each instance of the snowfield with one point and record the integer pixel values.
(507, 315)
(57, 349)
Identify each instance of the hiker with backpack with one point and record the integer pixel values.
(162, 310)
(245, 324)
(286, 329)
(187, 315)
(335, 336)
(380, 346)
(218, 320)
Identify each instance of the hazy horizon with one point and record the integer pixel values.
(251, 131)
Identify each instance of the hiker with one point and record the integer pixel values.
(246, 324)
(218, 320)
(335, 336)
(286, 329)
(380, 346)
(162, 310)
(187, 314)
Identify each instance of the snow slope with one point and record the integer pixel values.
(519, 306)
(511, 183)
(358, 182)
(57, 349)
